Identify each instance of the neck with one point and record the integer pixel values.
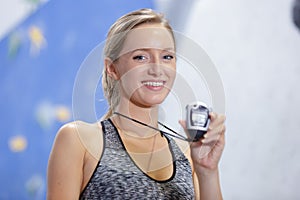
(147, 115)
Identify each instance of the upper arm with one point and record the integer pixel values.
(65, 165)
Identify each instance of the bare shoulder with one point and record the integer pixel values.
(78, 126)
(67, 136)
(74, 143)
(86, 136)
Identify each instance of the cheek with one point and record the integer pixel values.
(123, 65)
(131, 80)
(171, 73)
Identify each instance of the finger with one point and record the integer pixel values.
(217, 117)
(222, 139)
(216, 147)
(213, 116)
(215, 130)
(182, 123)
(216, 120)
(213, 135)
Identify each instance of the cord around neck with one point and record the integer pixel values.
(163, 133)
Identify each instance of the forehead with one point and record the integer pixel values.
(146, 36)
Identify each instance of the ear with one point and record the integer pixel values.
(110, 68)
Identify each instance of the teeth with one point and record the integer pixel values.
(154, 84)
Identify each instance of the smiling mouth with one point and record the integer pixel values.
(153, 83)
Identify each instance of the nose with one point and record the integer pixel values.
(155, 68)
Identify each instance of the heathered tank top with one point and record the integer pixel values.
(118, 177)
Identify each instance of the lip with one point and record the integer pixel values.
(154, 85)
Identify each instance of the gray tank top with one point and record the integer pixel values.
(118, 177)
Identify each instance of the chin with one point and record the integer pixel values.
(148, 102)
(149, 99)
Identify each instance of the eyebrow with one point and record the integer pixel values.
(147, 49)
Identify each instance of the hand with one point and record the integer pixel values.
(206, 153)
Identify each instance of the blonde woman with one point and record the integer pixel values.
(125, 156)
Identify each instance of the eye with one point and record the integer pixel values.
(139, 57)
(168, 57)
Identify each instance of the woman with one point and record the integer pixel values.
(125, 156)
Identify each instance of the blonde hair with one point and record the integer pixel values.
(114, 43)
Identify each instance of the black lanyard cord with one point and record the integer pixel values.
(177, 135)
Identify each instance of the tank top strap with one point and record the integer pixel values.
(111, 138)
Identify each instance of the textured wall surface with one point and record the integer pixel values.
(39, 60)
(256, 49)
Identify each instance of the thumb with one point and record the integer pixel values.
(182, 123)
(213, 116)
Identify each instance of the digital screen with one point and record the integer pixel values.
(199, 119)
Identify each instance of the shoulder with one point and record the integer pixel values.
(74, 130)
(67, 159)
(82, 135)
(77, 127)
(68, 134)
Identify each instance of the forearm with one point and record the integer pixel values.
(209, 184)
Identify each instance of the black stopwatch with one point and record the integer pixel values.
(197, 119)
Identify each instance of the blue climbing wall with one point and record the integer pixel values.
(39, 60)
